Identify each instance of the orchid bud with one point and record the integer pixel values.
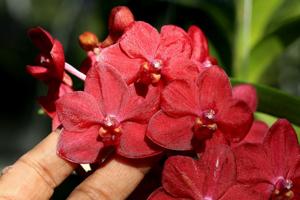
(88, 41)
(120, 18)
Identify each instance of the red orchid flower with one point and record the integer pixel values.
(106, 113)
(213, 177)
(50, 70)
(273, 167)
(144, 56)
(50, 61)
(200, 50)
(198, 110)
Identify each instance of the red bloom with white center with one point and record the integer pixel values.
(197, 110)
(273, 167)
(106, 113)
(144, 56)
(211, 178)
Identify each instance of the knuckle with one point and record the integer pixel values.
(92, 193)
(39, 169)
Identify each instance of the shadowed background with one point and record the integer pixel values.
(254, 41)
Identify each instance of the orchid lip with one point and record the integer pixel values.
(283, 189)
(150, 72)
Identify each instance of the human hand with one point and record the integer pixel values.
(35, 175)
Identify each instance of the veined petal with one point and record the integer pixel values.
(242, 192)
(174, 42)
(41, 39)
(183, 177)
(257, 133)
(78, 111)
(246, 93)
(214, 87)
(80, 147)
(38, 72)
(133, 142)
(220, 169)
(180, 98)
(282, 147)
(115, 57)
(180, 68)
(253, 164)
(160, 194)
(137, 108)
(140, 40)
(199, 44)
(171, 133)
(58, 58)
(107, 86)
(234, 119)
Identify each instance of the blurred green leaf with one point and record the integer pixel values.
(288, 12)
(288, 66)
(262, 57)
(252, 18)
(275, 102)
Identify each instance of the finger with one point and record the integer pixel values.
(114, 181)
(36, 174)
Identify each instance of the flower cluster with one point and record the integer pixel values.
(147, 93)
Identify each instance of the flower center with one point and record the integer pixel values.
(205, 125)
(150, 72)
(283, 190)
(44, 60)
(110, 130)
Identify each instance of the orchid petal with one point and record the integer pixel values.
(160, 194)
(246, 93)
(137, 108)
(200, 44)
(253, 165)
(171, 133)
(78, 111)
(174, 42)
(180, 98)
(183, 177)
(107, 86)
(116, 58)
(41, 39)
(140, 40)
(282, 147)
(214, 88)
(234, 119)
(219, 163)
(58, 58)
(80, 147)
(133, 143)
(180, 68)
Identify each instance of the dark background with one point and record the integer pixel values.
(273, 59)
